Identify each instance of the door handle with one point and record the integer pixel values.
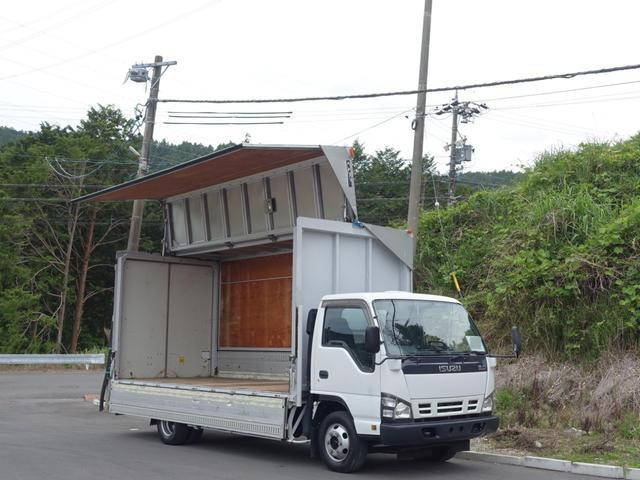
(324, 374)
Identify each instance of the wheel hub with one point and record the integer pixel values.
(167, 428)
(336, 442)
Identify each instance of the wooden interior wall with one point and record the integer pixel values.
(256, 302)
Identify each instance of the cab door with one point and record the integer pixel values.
(340, 366)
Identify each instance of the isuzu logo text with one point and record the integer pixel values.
(449, 368)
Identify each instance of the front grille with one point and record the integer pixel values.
(424, 408)
(449, 407)
(446, 407)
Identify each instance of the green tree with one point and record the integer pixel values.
(382, 184)
(57, 257)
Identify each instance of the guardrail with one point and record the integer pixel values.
(53, 359)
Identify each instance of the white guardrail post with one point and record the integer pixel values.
(52, 359)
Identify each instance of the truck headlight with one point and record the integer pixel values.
(394, 408)
(487, 405)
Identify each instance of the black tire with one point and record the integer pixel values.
(340, 447)
(195, 435)
(173, 433)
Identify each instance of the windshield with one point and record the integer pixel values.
(426, 327)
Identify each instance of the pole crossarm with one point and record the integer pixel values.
(155, 64)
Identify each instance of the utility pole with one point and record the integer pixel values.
(139, 73)
(453, 160)
(418, 135)
(461, 112)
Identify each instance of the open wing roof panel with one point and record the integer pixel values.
(218, 167)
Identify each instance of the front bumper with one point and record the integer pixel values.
(436, 432)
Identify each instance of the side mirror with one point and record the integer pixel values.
(372, 340)
(516, 339)
(311, 320)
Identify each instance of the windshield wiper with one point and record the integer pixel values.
(460, 356)
(411, 356)
(433, 351)
(470, 352)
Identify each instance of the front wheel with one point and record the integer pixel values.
(173, 433)
(340, 447)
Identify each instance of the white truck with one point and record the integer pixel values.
(272, 312)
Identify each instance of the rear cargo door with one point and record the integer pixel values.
(163, 316)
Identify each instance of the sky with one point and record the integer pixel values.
(59, 58)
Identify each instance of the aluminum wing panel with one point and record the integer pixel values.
(342, 166)
(398, 241)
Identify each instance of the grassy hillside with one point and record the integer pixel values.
(557, 253)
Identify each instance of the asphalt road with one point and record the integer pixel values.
(48, 432)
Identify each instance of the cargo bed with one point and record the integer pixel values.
(256, 408)
(216, 384)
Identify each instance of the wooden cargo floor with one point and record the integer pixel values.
(260, 385)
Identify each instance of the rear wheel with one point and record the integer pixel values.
(173, 433)
(340, 447)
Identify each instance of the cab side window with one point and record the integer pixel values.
(344, 327)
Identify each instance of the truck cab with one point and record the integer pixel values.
(398, 372)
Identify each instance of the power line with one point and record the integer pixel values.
(116, 222)
(65, 40)
(305, 113)
(46, 92)
(552, 92)
(576, 102)
(232, 113)
(72, 160)
(488, 175)
(223, 123)
(44, 185)
(477, 184)
(441, 180)
(156, 146)
(47, 16)
(536, 125)
(412, 92)
(34, 199)
(113, 44)
(68, 79)
(42, 31)
(545, 122)
(229, 116)
(382, 199)
(372, 126)
(166, 160)
(46, 200)
(63, 200)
